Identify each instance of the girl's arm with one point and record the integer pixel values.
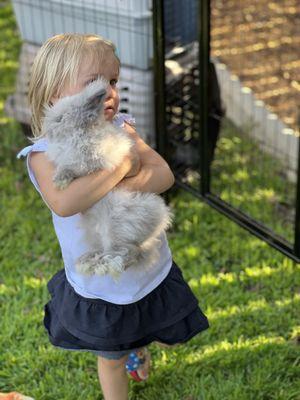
(154, 176)
(83, 192)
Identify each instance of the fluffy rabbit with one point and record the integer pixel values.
(123, 228)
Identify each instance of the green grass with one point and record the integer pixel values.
(249, 292)
(253, 181)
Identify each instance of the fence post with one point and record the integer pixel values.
(161, 131)
(297, 205)
(159, 78)
(204, 54)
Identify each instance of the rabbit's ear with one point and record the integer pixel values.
(95, 102)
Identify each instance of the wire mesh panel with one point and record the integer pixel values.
(255, 47)
(181, 112)
(182, 85)
(127, 23)
(232, 117)
(182, 92)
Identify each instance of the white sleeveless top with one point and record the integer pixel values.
(132, 285)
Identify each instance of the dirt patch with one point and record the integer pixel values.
(259, 41)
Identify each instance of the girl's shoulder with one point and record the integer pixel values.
(39, 145)
(121, 118)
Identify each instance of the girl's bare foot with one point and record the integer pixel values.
(14, 396)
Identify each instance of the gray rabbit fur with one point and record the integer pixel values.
(123, 228)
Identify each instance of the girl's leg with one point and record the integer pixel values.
(113, 378)
(165, 346)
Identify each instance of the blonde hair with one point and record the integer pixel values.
(56, 65)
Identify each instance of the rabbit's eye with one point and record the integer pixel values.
(113, 82)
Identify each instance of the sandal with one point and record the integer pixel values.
(138, 364)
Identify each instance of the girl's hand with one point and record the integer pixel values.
(154, 176)
(135, 163)
(134, 155)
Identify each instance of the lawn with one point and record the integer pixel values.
(249, 291)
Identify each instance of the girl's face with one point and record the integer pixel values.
(90, 71)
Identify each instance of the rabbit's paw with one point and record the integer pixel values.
(87, 264)
(117, 267)
(85, 267)
(112, 265)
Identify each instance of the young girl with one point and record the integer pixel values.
(114, 320)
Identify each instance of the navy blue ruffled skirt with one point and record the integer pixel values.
(169, 314)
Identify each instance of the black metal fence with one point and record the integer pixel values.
(218, 77)
(221, 100)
